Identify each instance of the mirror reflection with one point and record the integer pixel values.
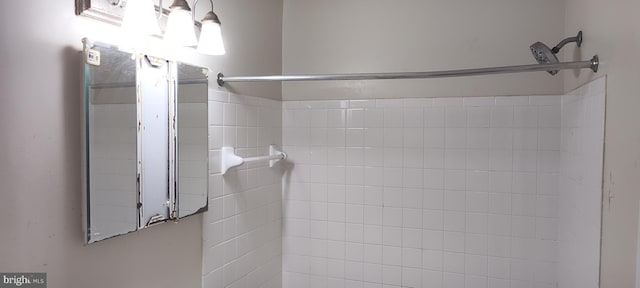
(192, 139)
(112, 146)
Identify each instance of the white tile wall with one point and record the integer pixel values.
(242, 234)
(450, 192)
(580, 197)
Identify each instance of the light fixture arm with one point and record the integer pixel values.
(195, 4)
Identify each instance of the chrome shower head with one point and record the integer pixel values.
(546, 55)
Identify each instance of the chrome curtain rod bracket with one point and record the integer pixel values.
(590, 64)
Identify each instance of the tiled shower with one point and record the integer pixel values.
(407, 192)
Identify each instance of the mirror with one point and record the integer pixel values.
(110, 105)
(193, 137)
(146, 140)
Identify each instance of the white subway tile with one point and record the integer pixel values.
(433, 158)
(373, 234)
(546, 228)
(454, 200)
(525, 116)
(476, 223)
(476, 243)
(413, 157)
(476, 265)
(391, 275)
(499, 246)
(354, 252)
(455, 117)
(373, 196)
(418, 102)
(523, 226)
(433, 199)
(448, 101)
(501, 117)
(412, 238)
(433, 239)
(479, 101)
(524, 183)
(434, 117)
(455, 138)
(477, 160)
(392, 236)
(372, 215)
(545, 100)
(392, 197)
(413, 137)
(354, 137)
(372, 273)
(432, 219)
(454, 180)
(374, 118)
(499, 225)
(432, 278)
(455, 159)
(393, 117)
(413, 117)
(355, 118)
(392, 255)
(523, 205)
(512, 100)
(354, 213)
(432, 259)
(454, 241)
(411, 277)
(525, 139)
(389, 103)
(454, 262)
(336, 231)
(454, 221)
(501, 138)
(362, 103)
(393, 136)
(549, 116)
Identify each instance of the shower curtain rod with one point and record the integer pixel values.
(591, 64)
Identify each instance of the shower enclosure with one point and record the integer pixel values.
(500, 191)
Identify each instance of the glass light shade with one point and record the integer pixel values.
(180, 30)
(211, 39)
(140, 18)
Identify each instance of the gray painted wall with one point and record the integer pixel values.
(611, 31)
(336, 36)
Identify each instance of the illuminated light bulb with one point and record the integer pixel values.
(211, 36)
(140, 18)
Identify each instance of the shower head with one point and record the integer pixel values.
(546, 55)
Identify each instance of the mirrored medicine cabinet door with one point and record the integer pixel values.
(146, 140)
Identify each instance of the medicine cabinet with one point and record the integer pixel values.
(146, 140)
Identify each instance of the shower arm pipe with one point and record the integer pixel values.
(577, 39)
(590, 64)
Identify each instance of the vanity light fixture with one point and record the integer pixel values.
(140, 18)
(210, 34)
